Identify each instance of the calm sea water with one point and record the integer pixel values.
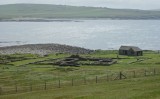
(92, 34)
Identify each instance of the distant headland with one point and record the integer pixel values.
(47, 12)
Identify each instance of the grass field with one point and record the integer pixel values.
(137, 88)
(23, 70)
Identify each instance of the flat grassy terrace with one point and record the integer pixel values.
(137, 88)
(21, 73)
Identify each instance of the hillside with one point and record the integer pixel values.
(43, 49)
(60, 11)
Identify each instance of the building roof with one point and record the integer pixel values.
(134, 48)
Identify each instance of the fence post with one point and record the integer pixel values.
(134, 74)
(154, 71)
(45, 85)
(145, 73)
(96, 79)
(59, 84)
(16, 89)
(120, 75)
(0, 90)
(107, 77)
(84, 80)
(30, 87)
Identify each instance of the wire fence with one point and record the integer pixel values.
(46, 85)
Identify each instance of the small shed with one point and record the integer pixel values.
(130, 51)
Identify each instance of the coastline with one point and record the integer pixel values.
(43, 49)
(68, 19)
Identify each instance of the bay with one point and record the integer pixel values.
(92, 34)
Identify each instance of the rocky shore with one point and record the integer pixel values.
(44, 49)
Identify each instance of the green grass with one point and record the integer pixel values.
(23, 73)
(26, 62)
(137, 88)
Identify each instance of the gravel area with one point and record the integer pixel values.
(44, 49)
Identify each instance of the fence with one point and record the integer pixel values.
(17, 88)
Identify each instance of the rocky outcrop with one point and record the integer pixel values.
(44, 49)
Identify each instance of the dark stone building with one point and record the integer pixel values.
(130, 51)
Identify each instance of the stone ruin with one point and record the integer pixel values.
(73, 60)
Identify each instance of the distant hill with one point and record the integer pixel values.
(61, 11)
(44, 49)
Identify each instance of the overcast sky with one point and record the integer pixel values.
(132, 4)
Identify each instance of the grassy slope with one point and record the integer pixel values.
(59, 11)
(137, 88)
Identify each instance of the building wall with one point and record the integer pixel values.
(123, 52)
(130, 53)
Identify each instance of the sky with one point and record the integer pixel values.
(131, 4)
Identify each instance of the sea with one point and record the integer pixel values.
(91, 34)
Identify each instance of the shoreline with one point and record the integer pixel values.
(49, 48)
(68, 19)
(44, 49)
